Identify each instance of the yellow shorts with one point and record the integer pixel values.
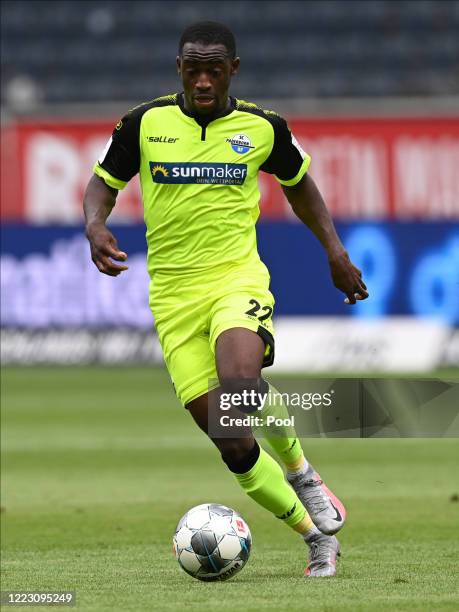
(191, 312)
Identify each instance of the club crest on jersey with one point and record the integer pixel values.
(240, 143)
(181, 173)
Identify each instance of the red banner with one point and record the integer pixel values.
(365, 168)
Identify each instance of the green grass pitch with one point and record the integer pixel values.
(100, 463)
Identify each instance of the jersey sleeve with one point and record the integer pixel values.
(120, 160)
(287, 160)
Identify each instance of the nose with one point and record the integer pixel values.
(203, 82)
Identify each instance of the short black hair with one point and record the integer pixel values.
(209, 33)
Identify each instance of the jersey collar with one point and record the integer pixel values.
(204, 120)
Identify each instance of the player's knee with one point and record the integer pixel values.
(239, 369)
(239, 454)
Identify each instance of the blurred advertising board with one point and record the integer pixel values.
(54, 302)
(376, 169)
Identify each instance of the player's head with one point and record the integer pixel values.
(206, 62)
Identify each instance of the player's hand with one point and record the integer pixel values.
(104, 249)
(347, 278)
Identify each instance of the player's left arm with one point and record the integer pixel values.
(309, 206)
(289, 163)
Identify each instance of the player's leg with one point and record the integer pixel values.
(239, 355)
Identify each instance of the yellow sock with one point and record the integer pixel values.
(266, 485)
(297, 465)
(304, 526)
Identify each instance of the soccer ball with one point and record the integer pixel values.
(212, 542)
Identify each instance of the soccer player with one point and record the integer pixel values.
(198, 154)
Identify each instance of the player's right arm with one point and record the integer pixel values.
(118, 163)
(99, 200)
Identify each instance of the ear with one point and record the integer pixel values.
(178, 60)
(235, 66)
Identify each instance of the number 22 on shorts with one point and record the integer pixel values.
(252, 312)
